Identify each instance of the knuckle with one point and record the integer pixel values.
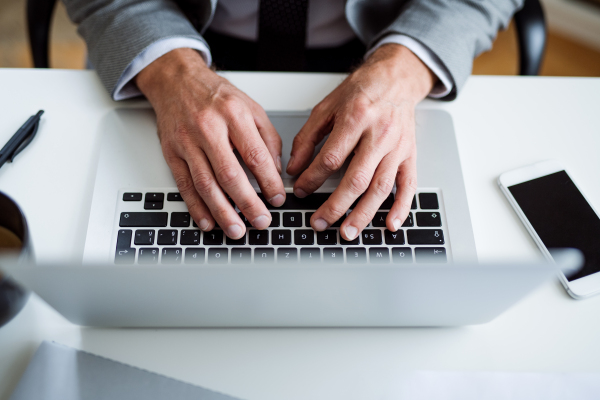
(202, 181)
(411, 183)
(334, 212)
(233, 106)
(228, 175)
(362, 215)
(184, 185)
(257, 157)
(247, 203)
(359, 182)
(331, 162)
(383, 186)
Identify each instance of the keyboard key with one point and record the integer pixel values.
(345, 242)
(245, 220)
(428, 201)
(339, 222)
(310, 255)
(304, 237)
(356, 255)
(333, 255)
(327, 237)
(143, 219)
(124, 239)
(310, 202)
(431, 255)
(275, 216)
(236, 242)
(241, 255)
(394, 237)
(125, 256)
(425, 236)
(148, 255)
(402, 255)
(132, 197)
(154, 197)
(190, 237)
(174, 197)
(287, 255)
(264, 255)
(371, 236)
(408, 222)
(212, 238)
(379, 220)
(153, 206)
(180, 219)
(292, 219)
(194, 255)
(258, 238)
(307, 217)
(144, 237)
(413, 206)
(379, 255)
(429, 219)
(281, 237)
(218, 256)
(171, 256)
(387, 203)
(167, 237)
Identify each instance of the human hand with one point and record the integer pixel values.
(371, 114)
(201, 118)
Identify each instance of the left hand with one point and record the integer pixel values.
(371, 114)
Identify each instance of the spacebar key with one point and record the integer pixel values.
(143, 219)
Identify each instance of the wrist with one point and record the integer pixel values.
(404, 69)
(171, 67)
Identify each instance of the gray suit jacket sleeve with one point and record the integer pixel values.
(117, 31)
(456, 31)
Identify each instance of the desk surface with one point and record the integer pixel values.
(501, 123)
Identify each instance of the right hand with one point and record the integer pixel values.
(201, 118)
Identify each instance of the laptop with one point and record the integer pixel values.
(146, 264)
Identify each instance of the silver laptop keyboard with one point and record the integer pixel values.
(154, 227)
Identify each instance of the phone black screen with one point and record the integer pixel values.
(561, 217)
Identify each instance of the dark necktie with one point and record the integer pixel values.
(282, 35)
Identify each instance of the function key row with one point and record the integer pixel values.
(155, 201)
(276, 237)
(331, 255)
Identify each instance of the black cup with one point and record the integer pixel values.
(12, 296)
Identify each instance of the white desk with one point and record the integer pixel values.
(501, 123)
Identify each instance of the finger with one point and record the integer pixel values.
(232, 178)
(317, 126)
(207, 187)
(355, 182)
(196, 206)
(406, 187)
(331, 158)
(254, 152)
(269, 135)
(379, 189)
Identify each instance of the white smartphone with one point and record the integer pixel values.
(557, 215)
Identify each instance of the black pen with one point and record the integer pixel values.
(21, 139)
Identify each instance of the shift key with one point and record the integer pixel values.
(143, 219)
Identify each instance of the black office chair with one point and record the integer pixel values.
(529, 21)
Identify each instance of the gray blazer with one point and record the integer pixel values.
(456, 31)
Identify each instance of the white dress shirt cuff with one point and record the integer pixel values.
(444, 84)
(126, 88)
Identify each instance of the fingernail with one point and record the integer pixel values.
(351, 232)
(261, 222)
(235, 231)
(300, 193)
(204, 224)
(320, 224)
(290, 163)
(278, 164)
(397, 224)
(277, 200)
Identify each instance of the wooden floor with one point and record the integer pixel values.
(564, 57)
